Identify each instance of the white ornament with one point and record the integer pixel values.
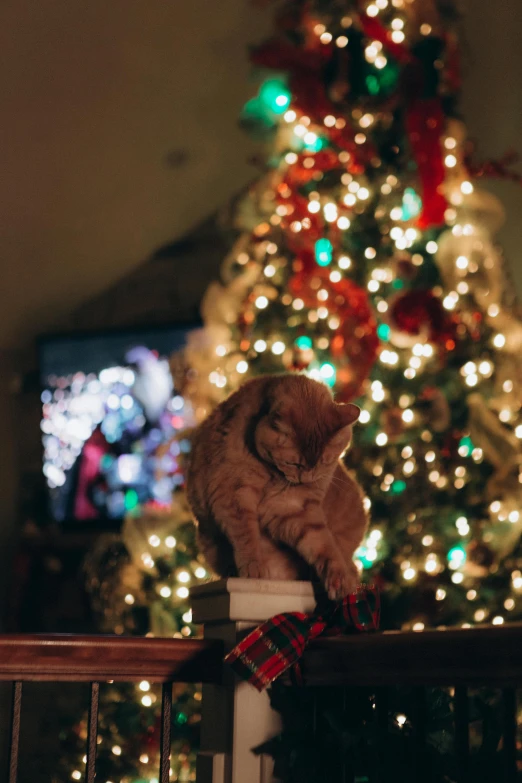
(483, 271)
(483, 209)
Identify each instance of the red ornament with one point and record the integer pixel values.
(419, 312)
(354, 344)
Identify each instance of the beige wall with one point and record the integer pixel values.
(8, 471)
(492, 102)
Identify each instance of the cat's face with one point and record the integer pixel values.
(305, 445)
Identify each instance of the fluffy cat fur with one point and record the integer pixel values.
(266, 487)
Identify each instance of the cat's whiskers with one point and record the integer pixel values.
(338, 481)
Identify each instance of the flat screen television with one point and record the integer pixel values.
(112, 422)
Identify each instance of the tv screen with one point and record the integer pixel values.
(112, 422)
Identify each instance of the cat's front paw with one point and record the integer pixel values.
(340, 580)
(254, 570)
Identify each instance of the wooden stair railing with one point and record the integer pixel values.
(95, 659)
(465, 659)
(461, 658)
(482, 655)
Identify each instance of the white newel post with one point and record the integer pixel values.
(235, 716)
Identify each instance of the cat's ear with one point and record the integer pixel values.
(339, 441)
(347, 413)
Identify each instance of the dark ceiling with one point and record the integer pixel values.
(119, 134)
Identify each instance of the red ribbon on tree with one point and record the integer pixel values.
(425, 121)
(419, 310)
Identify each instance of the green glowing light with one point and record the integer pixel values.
(316, 145)
(323, 252)
(372, 84)
(131, 499)
(275, 95)
(411, 204)
(398, 486)
(328, 373)
(256, 114)
(304, 343)
(366, 555)
(106, 462)
(252, 108)
(383, 332)
(397, 284)
(382, 80)
(388, 77)
(466, 446)
(457, 556)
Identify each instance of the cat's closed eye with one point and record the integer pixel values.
(295, 465)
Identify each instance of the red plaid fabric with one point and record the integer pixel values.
(275, 646)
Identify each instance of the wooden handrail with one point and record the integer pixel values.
(489, 655)
(71, 658)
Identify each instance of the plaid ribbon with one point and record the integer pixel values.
(275, 646)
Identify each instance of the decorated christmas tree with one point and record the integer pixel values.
(367, 259)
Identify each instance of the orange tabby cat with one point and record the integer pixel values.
(267, 489)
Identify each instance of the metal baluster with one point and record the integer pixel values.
(381, 756)
(422, 769)
(462, 733)
(314, 712)
(166, 729)
(14, 741)
(92, 735)
(344, 770)
(509, 720)
(344, 766)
